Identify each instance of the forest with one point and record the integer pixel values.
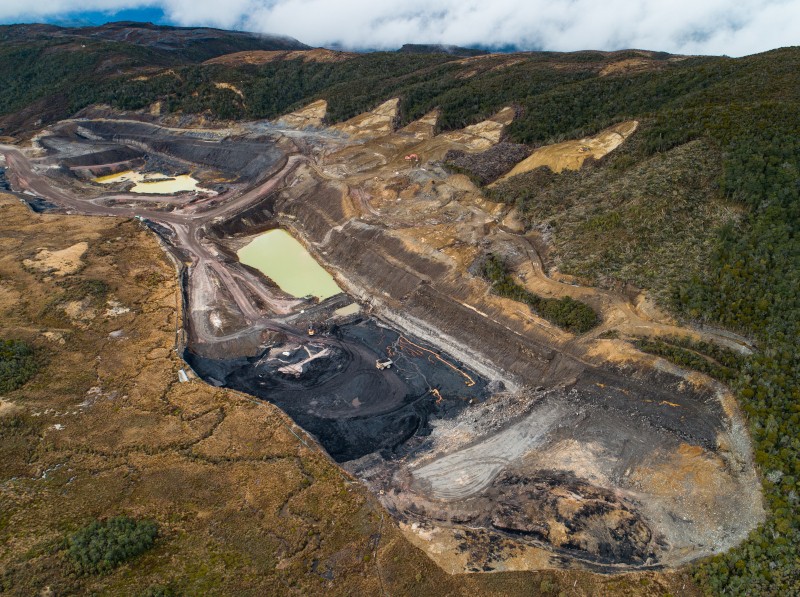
(18, 363)
(713, 360)
(566, 312)
(105, 544)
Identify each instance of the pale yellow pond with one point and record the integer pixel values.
(280, 257)
(153, 183)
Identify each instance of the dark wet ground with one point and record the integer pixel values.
(4, 184)
(37, 204)
(353, 408)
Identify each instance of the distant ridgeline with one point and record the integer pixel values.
(712, 130)
(440, 49)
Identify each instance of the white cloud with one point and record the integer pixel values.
(679, 26)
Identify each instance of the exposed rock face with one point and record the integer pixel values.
(485, 134)
(570, 514)
(379, 121)
(570, 155)
(310, 116)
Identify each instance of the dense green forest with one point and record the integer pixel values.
(17, 364)
(713, 360)
(566, 312)
(105, 544)
(718, 136)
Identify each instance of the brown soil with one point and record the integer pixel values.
(264, 56)
(230, 87)
(570, 155)
(379, 121)
(630, 66)
(60, 263)
(312, 115)
(484, 134)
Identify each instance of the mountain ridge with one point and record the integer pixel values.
(186, 43)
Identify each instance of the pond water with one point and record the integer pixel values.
(153, 183)
(351, 309)
(280, 257)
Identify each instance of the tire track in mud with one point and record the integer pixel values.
(466, 472)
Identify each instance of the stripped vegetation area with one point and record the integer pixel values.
(566, 312)
(486, 167)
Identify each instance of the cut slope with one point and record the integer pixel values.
(570, 155)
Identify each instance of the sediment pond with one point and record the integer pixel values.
(280, 257)
(153, 183)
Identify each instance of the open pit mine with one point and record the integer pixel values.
(496, 440)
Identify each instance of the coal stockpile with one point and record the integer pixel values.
(115, 155)
(4, 185)
(39, 205)
(36, 204)
(332, 386)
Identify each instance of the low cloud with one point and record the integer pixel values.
(679, 26)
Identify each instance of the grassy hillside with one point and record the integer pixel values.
(702, 206)
(47, 71)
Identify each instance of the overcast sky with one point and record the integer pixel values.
(732, 27)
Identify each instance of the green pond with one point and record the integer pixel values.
(280, 257)
(153, 183)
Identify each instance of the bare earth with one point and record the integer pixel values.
(570, 155)
(60, 263)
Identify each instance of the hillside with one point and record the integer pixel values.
(700, 207)
(440, 49)
(44, 66)
(183, 44)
